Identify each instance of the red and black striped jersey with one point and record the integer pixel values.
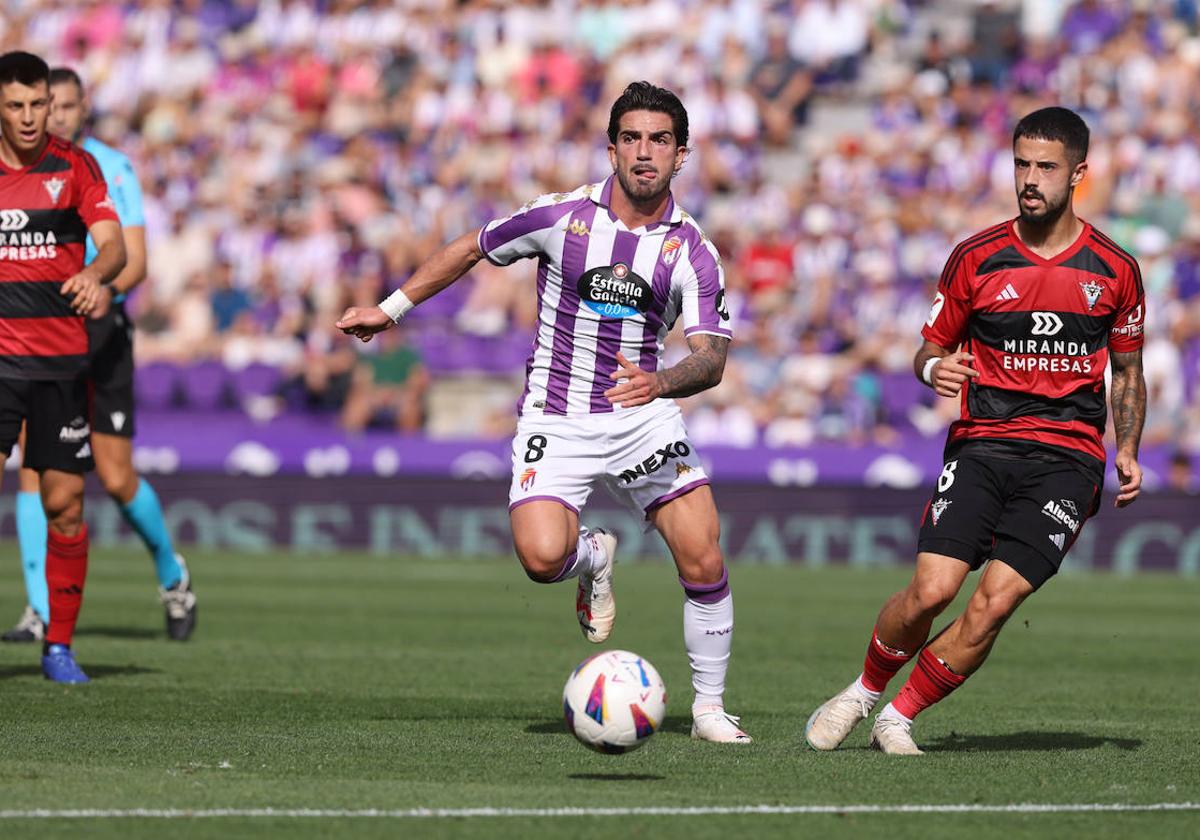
(1041, 331)
(46, 209)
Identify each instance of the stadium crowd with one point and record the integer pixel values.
(301, 156)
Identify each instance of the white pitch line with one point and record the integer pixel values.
(714, 810)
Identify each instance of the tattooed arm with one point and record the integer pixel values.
(697, 372)
(1129, 413)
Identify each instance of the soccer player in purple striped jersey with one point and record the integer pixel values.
(618, 264)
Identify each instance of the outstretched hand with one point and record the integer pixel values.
(951, 372)
(634, 385)
(363, 323)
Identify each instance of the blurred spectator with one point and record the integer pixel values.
(297, 156)
(1180, 475)
(388, 387)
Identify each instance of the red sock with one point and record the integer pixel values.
(881, 663)
(929, 682)
(66, 570)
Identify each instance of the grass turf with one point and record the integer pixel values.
(356, 682)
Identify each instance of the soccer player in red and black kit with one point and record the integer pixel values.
(52, 196)
(1027, 316)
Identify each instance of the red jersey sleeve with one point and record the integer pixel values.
(1129, 326)
(92, 200)
(946, 325)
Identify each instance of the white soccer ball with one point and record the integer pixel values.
(614, 701)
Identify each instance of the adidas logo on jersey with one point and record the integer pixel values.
(1009, 293)
(1059, 540)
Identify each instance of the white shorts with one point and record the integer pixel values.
(642, 455)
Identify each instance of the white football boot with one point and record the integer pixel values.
(595, 605)
(834, 720)
(713, 723)
(893, 736)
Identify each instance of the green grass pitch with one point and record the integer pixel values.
(356, 682)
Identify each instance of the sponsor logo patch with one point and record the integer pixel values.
(1046, 323)
(1059, 540)
(13, 219)
(1059, 514)
(655, 462)
(75, 432)
(614, 291)
(578, 227)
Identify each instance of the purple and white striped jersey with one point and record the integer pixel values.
(603, 288)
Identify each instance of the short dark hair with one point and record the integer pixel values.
(62, 75)
(1060, 124)
(643, 96)
(24, 68)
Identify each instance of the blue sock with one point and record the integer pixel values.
(145, 515)
(31, 534)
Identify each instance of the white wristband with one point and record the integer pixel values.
(927, 371)
(396, 305)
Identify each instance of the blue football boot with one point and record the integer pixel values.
(58, 664)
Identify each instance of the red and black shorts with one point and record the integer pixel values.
(57, 435)
(1024, 511)
(110, 353)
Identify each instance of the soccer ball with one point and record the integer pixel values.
(614, 701)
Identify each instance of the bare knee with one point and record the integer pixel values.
(987, 612)
(119, 480)
(64, 509)
(704, 566)
(928, 597)
(542, 554)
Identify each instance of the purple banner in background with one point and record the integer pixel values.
(436, 518)
(226, 442)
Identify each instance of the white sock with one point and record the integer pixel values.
(708, 637)
(867, 693)
(586, 553)
(890, 711)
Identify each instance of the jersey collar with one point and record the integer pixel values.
(602, 194)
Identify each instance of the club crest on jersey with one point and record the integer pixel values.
(670, 250)
(528, 477)
(938, 508)
(1091, 293)
(54, 187)
(614, 291)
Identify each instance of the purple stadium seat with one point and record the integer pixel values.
(205, 385)
(155, 385)
(256, 380)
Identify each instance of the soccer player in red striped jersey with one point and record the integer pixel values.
(52, 196)
(1027, 316)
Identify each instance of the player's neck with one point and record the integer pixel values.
(11, 158)
(636, 214)
(1050, 240)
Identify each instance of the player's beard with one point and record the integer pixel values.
(643, 193)
(1049, 213)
